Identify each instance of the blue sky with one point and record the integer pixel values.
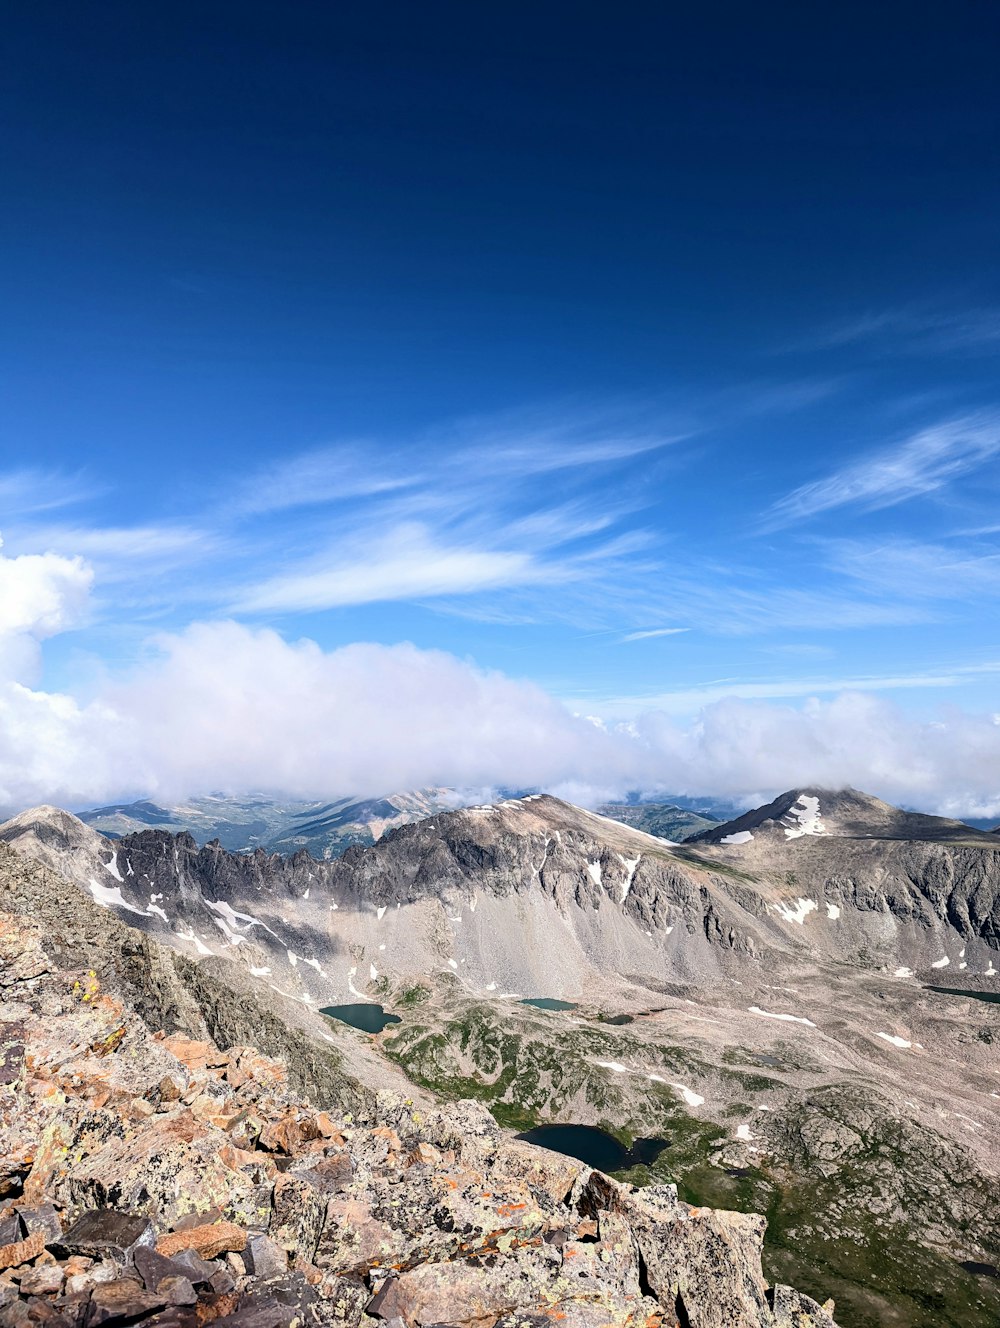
(639, 366)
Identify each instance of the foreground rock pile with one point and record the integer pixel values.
(147, 1178)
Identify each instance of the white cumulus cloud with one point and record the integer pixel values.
(221, 705)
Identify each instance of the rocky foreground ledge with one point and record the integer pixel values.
(146, 1178)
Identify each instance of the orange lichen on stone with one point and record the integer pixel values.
(208, 1241)
(22, 1251)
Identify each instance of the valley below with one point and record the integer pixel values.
(755, 1016)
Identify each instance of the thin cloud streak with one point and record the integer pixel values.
(651, 632)
(921, 465)
(688, 700)
(917, 331)
(325, 475)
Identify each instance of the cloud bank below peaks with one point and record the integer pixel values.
(223, 706)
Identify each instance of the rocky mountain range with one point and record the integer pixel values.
(326, 829)
(757, 1000)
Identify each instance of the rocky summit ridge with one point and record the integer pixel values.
(148, 1176)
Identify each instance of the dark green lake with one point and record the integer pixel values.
(991, 997)
(594, 1147)
(369, 1018)
(548, 1003)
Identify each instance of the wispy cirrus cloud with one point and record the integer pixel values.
(921, 464)
(651, 632)
(117, 551)
(915, 329)
(406, 563)
(915, 570)
(322, 475)
(26, 492)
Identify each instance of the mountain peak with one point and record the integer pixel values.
(847, 812)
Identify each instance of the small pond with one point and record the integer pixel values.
(616, 1019)
(980, 1269)
(369, 1018)
(992, 997)
(548, 1003)
(594, 1147)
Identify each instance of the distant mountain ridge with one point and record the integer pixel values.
(666, 820)
(325, 829)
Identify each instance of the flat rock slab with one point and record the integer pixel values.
(208, 1241)
(121, 1302)
(104, 1233)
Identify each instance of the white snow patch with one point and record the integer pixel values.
(293, 958)
(743, 1132)
(350, 985)
(786, 1018)
(613, 1065)
(454, 917)
(833, 912)
(806, 813)
(941, 963)
(896, 1041)
(692, 1098)
(737, 837)
(453, 963)
(380, 911)
(630, 865)
(128, 867)
(373, 971)
(233, 937)
(903, 973)
(991, 972)
(796, 912)
(155, 908)
(112, 867)
(234, 918)
(594, 872)
(190, 936)
(491, 986)
(472, 903)
(306, 895)
(111, 896)
(259, 972)
(656, 1078)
